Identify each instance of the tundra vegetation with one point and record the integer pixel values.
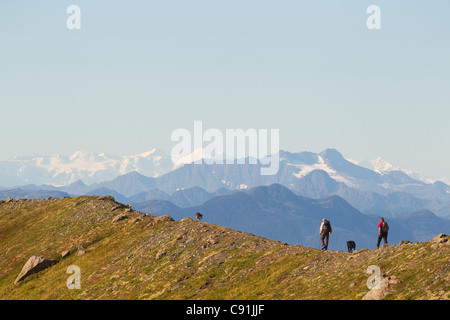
(124, 254)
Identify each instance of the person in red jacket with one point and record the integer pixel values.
(383, 229)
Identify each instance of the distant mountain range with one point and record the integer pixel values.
(61, 170)
(287, 207)
(152, 176)
(318, 177)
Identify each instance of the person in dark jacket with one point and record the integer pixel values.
(325, 231)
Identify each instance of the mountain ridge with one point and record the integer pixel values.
(146, 257)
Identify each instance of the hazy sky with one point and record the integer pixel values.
(138, 70)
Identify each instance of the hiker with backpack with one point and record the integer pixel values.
(325, 231)
(383, 229)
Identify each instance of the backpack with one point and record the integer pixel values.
(385, 227)
(326, 226)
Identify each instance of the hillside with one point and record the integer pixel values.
(145, 257)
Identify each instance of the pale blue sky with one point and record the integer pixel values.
(137, 70)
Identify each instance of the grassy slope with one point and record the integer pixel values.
(149, 259)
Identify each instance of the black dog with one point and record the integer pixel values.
(351, 245)
(198, 216)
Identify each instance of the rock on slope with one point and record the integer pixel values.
(144, 257)
(34, 265)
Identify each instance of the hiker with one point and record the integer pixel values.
(325, 231)
(383, 229)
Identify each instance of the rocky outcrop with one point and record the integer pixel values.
(164, 218)
(119, 217)
(384, 289)
(81, 250)
(442, 238)
(34, 265)
(439, 240)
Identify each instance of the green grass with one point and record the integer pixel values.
(201, 261)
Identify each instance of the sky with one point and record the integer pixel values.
(138, 70)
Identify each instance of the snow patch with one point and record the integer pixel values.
(321, 165)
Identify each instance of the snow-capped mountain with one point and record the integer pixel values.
(382, 166)
(374, 187)
(59, 170)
